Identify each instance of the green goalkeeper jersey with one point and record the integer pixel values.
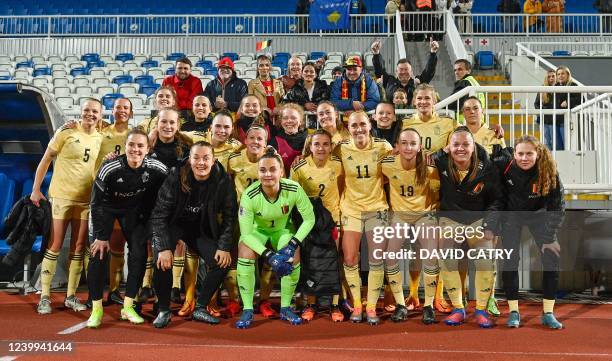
(258, 212)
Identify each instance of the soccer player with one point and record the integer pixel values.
(197, 203)
(265, 208)
(329, 120)
(386, 126)
(321, 175)
(165, 97)
(413, 191)
(470, 192)
(532, 185)
(363, 206)
(123, 190)
(202, 116)
(75, 152)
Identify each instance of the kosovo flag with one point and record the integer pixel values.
(329, 15)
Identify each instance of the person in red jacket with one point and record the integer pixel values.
(186, 85)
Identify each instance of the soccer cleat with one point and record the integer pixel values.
(114, 297)
(442, 306)
(95, 319)
(336, 314)
(266, 310)
(514, 319)
(456, 317)
(356, 315)
(245, 320)
(483, 319)
(548, 319)
(412, 303)
(89, 302)
(144, 294)
(372, 318)
(74, 303)
(308, 313)
(492, 307)
(429, 315)
(400, 314)
(129, 314)
(203, 315)
(163, 319)
(187, 308)
(232, 309)
(287, 315)
(44, 305)
(175, 295)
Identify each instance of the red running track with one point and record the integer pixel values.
(587, 336)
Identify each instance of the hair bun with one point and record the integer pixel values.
(270, 150)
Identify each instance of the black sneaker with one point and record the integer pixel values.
(144, 294)
(400, 314)
(163, 319)
(175, 296)
(114, 298)
(202, 315)
(429, 315)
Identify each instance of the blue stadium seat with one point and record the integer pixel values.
(170, 71)
(143, 80)
(317, 55)
(7, 197)
(485, 59)
(124, 56)
(109, 100)
(24, 64)
(282, 57)
(5, 77)
(149, 64)
(561, 53)
(175, 56)
(122, 79)
(90, 57)
(41, 71)
(213, 72)
(93, 64)
(149, 89)
(230, 55)
(79, 71)
(206, 64)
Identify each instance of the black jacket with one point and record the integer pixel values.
(390, 135)
(391, 83)
(548, 118)
(481, 197)
(521, 193)
(321, 269)
(171, 201)
(235, 90)
(572, 99)
(298, 94)
(24, 222)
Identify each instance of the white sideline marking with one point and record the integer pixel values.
(8, 358)
(356, 349)
(73, 329)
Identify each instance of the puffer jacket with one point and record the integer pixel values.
(24, 222)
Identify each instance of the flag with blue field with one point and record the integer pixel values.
(329, 15)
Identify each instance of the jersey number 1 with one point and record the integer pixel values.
(365, 167)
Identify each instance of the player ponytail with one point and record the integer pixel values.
(271, 153)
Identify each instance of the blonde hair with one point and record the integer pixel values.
(545, 96)
(546, 165)
(473, 158)
(298, 108)
(569, 74)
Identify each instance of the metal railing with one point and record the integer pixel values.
(428, 22)
(534, 25)
(183, 25)
(588, 48)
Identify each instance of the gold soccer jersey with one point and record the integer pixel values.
(112, 141)
(73, 172)
(243, 171)
(434, 133)
(486, 137)
(320, 182)
(405, 194)
(363, 190)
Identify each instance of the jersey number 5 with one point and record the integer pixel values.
(86, 155)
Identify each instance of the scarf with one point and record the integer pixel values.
(362, 92)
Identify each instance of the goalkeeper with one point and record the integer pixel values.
(265, 208)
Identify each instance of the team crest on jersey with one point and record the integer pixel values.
(285, 209)
(349, 158)
(145, 177)
(437, 130)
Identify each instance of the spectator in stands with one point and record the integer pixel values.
(267, 90)
(227, 90)
(202, 116)
(355, 90)
(564, 101)
(294, 74)
(385, 125)
(545, 101)
(337, 72)
(185, 85)
(165, 97)
(393, 6)
(463, 7)
(464, 79)
(424, 22)
(605, 7)
(404, 77)
(308, 92)
(554, 24)
(357, 7)
(510, 21)
(534, 22)
(400, 99)
(303, 8)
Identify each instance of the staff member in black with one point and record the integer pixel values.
(120, 192)
(534, 198)
(197, 204)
